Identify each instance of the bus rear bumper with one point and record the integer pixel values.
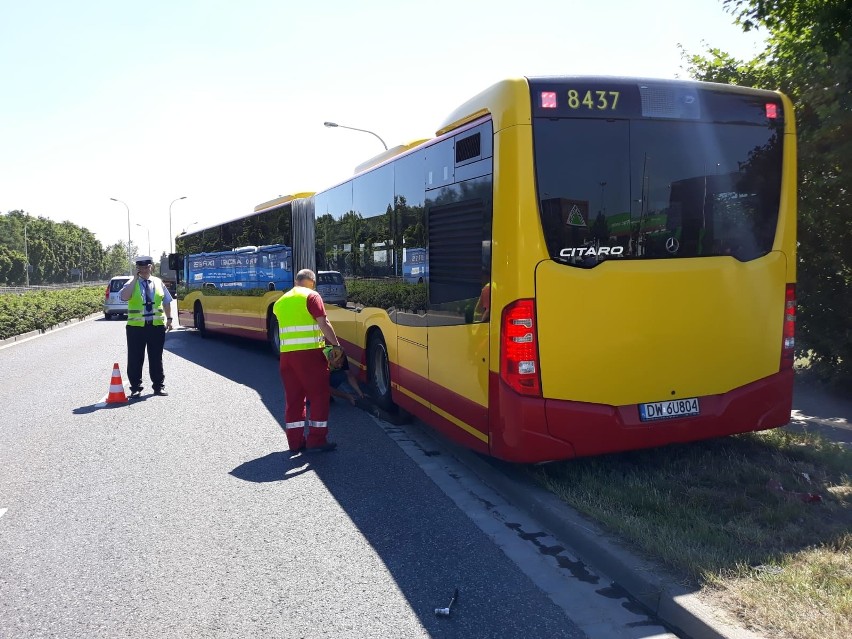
(580, 429)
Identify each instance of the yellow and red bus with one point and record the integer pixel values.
(603, 264)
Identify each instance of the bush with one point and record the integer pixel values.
(40, 310)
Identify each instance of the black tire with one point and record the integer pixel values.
(273, 336)
(198, 317)
(107, 316)
(378, 372)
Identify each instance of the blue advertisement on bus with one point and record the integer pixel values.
(415, 266)
(264, 267)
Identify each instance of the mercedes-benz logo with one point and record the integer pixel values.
(672, 245)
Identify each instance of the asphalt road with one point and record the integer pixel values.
(186, 517)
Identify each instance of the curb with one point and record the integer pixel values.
(675, 605)
(24, 336)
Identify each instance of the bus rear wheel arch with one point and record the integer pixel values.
(378, 371)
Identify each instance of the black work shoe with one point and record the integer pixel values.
(325, 448)
(161, 392)
(296, 451)
(136, 394)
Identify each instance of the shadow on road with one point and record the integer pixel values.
(272, 467)
(427, 544)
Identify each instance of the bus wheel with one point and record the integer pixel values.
(198, 316)
(378, 372)
(273, 335)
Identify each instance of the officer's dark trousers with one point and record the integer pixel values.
(139, 338)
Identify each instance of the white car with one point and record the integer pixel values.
(112, 303)
(331, 287)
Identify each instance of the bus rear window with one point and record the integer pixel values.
(656, 189)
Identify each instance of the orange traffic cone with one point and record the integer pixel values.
(116, 388)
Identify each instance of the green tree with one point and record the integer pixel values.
(809, 57)
(5, 264)
(116, 261)
(54, 250)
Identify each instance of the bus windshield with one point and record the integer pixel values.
(651, 189)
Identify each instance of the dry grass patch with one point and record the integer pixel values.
(760, 522)
(815, 585)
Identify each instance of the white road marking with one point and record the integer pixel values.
(3, 511)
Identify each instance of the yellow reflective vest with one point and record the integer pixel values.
(137, 315)
(297, 328)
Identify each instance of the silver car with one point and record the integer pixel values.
(331, 287)
(112, 303)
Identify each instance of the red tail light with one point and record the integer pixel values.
(788, 346)
(106, 295)
(519, 366)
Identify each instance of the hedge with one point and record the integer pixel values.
(41, 310)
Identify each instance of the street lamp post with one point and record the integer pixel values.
(171, 237)
(129, 261)
(149, 237)
(334, 125)
(26, 255)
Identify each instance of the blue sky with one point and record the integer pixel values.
(223, 102)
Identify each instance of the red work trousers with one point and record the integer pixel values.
(305, 377)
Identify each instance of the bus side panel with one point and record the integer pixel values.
(346, 327)
(239, 315)
(185, 304)
(412, 379)
(448, 403)
(458, 372)
(463, 423)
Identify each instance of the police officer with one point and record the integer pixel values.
(304, 330)
(148, 302)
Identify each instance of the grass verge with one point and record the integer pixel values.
(761, 523)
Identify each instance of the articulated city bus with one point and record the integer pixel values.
(230, 274)
(607, 264)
